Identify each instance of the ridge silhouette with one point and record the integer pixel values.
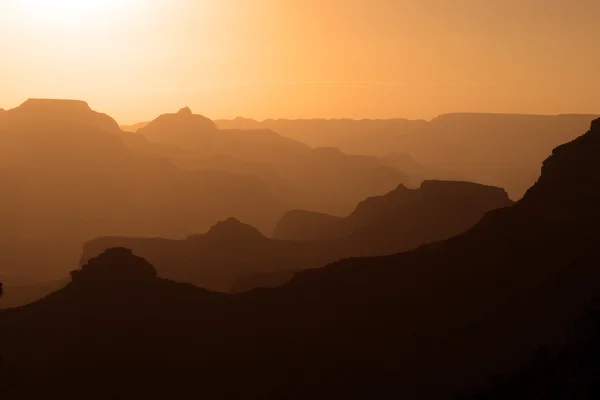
(114, 265)
(69, 174)
(234, 257)
(438, 209)
(427, 323)
(324, 179)
(503, 150)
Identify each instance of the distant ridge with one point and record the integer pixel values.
(133, 128)
(503, 150)
(59, 112)
(325, 179)
(259, 122)
(183, 129)
(57, 104)
(233, 229)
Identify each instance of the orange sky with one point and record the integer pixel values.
(135, 59)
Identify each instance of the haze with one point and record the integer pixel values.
(279, 199)
(268, 59)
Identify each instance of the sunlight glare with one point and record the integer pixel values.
(67, 14)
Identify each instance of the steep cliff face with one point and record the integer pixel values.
(517, 279)
(570, 177)
(401, 219)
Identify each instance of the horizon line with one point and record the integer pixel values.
(321, 118)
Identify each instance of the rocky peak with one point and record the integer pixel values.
(185, 111)
(115, 265)
(183, 129)
(569, 176)
(233, 229)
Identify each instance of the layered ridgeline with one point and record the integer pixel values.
(219, 259)
(233, 256)
(320, 179)
(69, 174)
(421, 324)
(495, 149)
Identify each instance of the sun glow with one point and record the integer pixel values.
(69, 14)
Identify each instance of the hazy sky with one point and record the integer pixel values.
(135, 59)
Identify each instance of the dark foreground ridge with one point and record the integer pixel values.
(234, 257)
(423, 324)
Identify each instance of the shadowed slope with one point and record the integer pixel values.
(422, 324)
(566, 371)
(18, 295)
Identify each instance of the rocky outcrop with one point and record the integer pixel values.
(232, 229)
(116, 264)
(183, 129)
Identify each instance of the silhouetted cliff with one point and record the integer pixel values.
(402, 219)
(114, 265)
(422, 324)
